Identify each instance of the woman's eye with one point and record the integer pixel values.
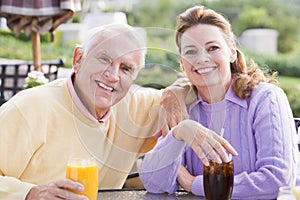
(213, 48)
(190, 52)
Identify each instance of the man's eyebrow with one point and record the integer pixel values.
(130, 64)
(102, 52)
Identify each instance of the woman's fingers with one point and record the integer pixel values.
(227, 146)
(214, 146)
(205, 149)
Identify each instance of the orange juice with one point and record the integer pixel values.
(85, 173)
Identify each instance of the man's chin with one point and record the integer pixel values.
(103, 102)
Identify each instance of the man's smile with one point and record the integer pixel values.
(106, 87)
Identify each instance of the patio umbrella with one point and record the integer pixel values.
(37, 17)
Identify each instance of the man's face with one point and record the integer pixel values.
(107, 71)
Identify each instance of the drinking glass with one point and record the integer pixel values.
(286, 193)
(84, 171)
(218, 180)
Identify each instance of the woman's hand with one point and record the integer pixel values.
(203, 141)
(185, 179)
(56, 190)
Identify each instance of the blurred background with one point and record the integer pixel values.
(267, 31)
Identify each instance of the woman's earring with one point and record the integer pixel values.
(181, 68)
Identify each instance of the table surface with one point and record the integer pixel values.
(134, 194)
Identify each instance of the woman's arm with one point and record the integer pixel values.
(159, 168)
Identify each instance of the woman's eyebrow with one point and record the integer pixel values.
(211, 42)
(189, 46)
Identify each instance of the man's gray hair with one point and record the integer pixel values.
(136, 35)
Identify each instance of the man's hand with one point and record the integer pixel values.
(56, 190)
(203, 141)
(185, 179)
(173, 109)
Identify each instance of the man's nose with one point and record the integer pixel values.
(112, 73)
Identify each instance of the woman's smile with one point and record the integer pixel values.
(205, 70)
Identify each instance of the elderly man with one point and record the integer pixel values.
(94, 112)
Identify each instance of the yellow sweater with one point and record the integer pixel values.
(40, 129)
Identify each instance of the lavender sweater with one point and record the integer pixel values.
(260, 128)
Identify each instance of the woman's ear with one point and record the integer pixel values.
(233, 55)
(77, 58)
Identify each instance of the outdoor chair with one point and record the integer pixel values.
(297, 124)
(12, 76)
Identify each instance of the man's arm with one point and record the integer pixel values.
(12, 188)
(173, 103)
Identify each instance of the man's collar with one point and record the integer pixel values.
(78, 103)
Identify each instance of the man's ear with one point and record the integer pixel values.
(77, 58)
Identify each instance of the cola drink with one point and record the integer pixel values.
(218, 180)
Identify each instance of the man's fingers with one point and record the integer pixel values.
(65, 194)
(164, 131)
(57, 190)
(173, 109)
(69, 184)
(64, 184)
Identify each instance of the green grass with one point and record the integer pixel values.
(289, 82)
(20, 47)
(156, 77)
(13, 47)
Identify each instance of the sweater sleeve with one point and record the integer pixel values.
(276, 149)
(12, 188)
(16, 148)
(159, 169)
(271, 141)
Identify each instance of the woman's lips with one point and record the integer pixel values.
(205, 70)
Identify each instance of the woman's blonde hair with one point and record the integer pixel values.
(246, 77)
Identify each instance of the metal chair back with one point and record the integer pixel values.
(12, 76)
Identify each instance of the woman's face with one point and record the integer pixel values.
(205, 56)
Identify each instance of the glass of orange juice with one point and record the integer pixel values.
(84, 171)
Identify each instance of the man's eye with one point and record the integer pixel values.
(105, 60)
(126, 68)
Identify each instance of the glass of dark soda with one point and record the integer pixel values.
(218, 180)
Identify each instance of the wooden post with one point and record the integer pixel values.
(36, 50)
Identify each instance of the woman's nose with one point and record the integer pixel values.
(202, 57)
